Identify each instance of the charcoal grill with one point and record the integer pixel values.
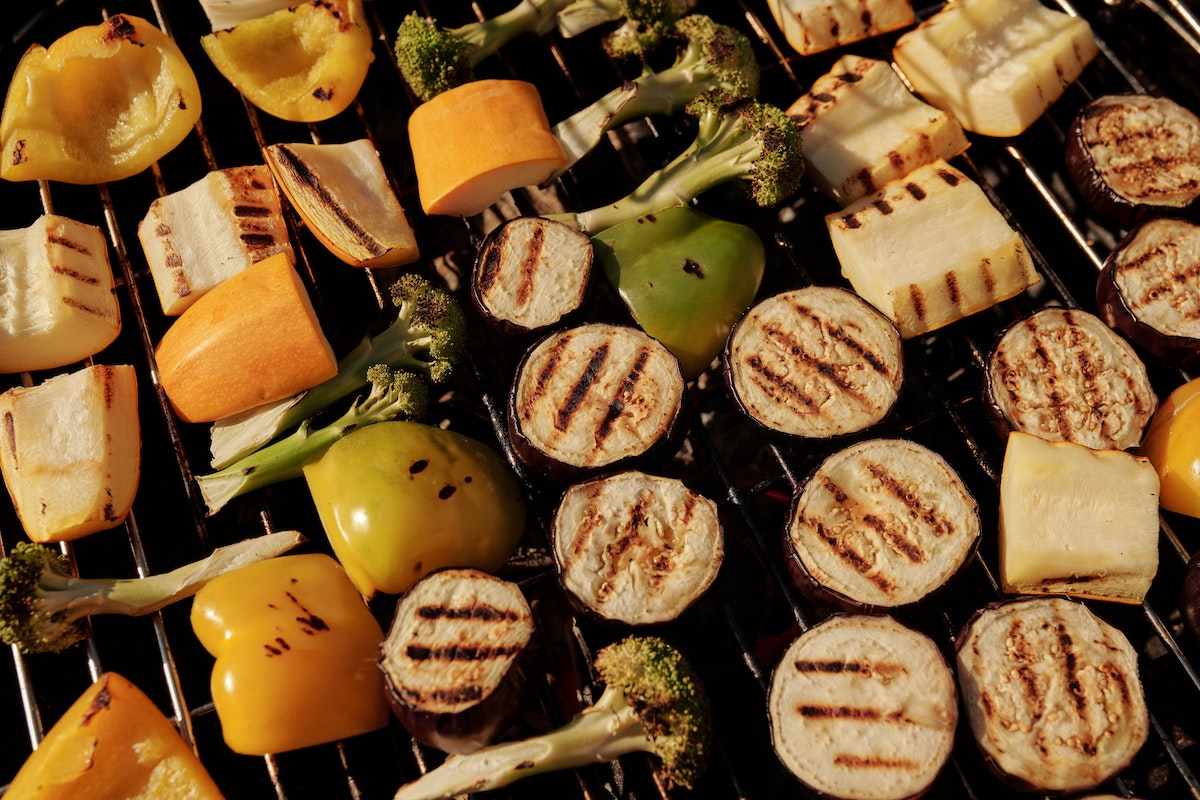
(736, 633)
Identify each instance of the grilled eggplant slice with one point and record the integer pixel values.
(880, 524)
(636, 548)
(863, 708)
(598, 396)
(197, 237)
(1052, 694)
(1133, 156)
(930, 249)
(815, 362)
(454, 658)
(531, 273)
(1149, 289)
(1077, 521)
(814, 26)
(1063, 375)
(863, 128)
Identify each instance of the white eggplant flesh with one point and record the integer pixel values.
(930, 249)
(342, 193)
(1077, 521)
(197, 237)
(56, 295)
(996, 65)
(863, 128)
(814, 26)
(70, 451)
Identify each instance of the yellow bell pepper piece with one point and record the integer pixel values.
(102, 103)
(297, 652)
(113, 744)
(1172, 444)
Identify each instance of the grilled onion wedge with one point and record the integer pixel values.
(816, 362)
(594, 397)
(57, 306)
(453, 658)
(197, 237)
(1149, 289)
(1077, 521)
(814, 26)
(880, 524)
(70, 451)
(863, 128)
(1052, 694)
(636, 548)
(342, 193)
(863, 708)
(930, 249)
(996, 65)
(1063, 375)
(1133, 156)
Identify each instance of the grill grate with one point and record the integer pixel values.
(735, 634)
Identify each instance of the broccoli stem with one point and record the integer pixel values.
(583, 15)
(488, 36)
(600, 733)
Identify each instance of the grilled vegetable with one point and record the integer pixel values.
(1077, 521)
(1172, 445)
(1063, 375)
(399, 500)
(253, 339)
(343, 196)
(880, 524)
(223, 14)
(815, 362)
(1132, 156)
(427, 337)
(113, 743)
(104, 102)
(466, 160)
(42, 604)
(686, 278)
(814, 26)
(1073, 716)
(453, 658)
(749, 141)
(644, 22)
(65, 310)
(1149, 290)
(592, 397)
(636, 548)
(199, 236)
(996, 65)
(894, 250)
(296, 655)
(305, 63)
(531, 273)
(863, 128)
(70, 451)
(863, 708)
(652, 702)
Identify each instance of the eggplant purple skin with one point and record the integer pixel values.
(1095, 190)
(1189, 597)
(1181, 351)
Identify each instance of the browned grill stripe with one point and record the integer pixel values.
(73, 303)
(917, 507)
(590, 519)
(874, 762)
(829, 666)
(455, 695)
(70, 244)
(625, 391)
(253, 212)
(459, 652)
(300, 171)
(579, 391)
(481, 611)
(848, 712)
(843, 550)
(10, 433)
(876, 669)
(1049, 371)
(553, 361)
(775, 384)
(529, 263)
(489, 269)
(74, 274)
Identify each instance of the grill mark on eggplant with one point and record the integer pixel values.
(1169, 252)
(853, 713)
(529, 263)
(252, 212)
(940, 524)
(480, 611)
(848, 554)
(628, 536)
(580, 389)
(874, 762)
(553, 361)
(305, 177)
(590, 520)
(70, 244)
(885, 670)
(1021, 653)
(625, 391)
(74, 274)
(489, 268)
(10, 434)
(460, 652)
(455, 695)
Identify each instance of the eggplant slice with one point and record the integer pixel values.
(862, 707)
(1133, 156)
(815, 362)
(592, 397)
(1052, 694)
(880, 524)
(1063, 375)
(453, 658)
(1149, 289)
(636, 548)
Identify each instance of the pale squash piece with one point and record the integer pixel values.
(814, 26)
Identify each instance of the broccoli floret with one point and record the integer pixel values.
(751, 141)
(394, 394)
(428, 337)
(42, 604)
(652, 702)
(716, 66)
(645, 24)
